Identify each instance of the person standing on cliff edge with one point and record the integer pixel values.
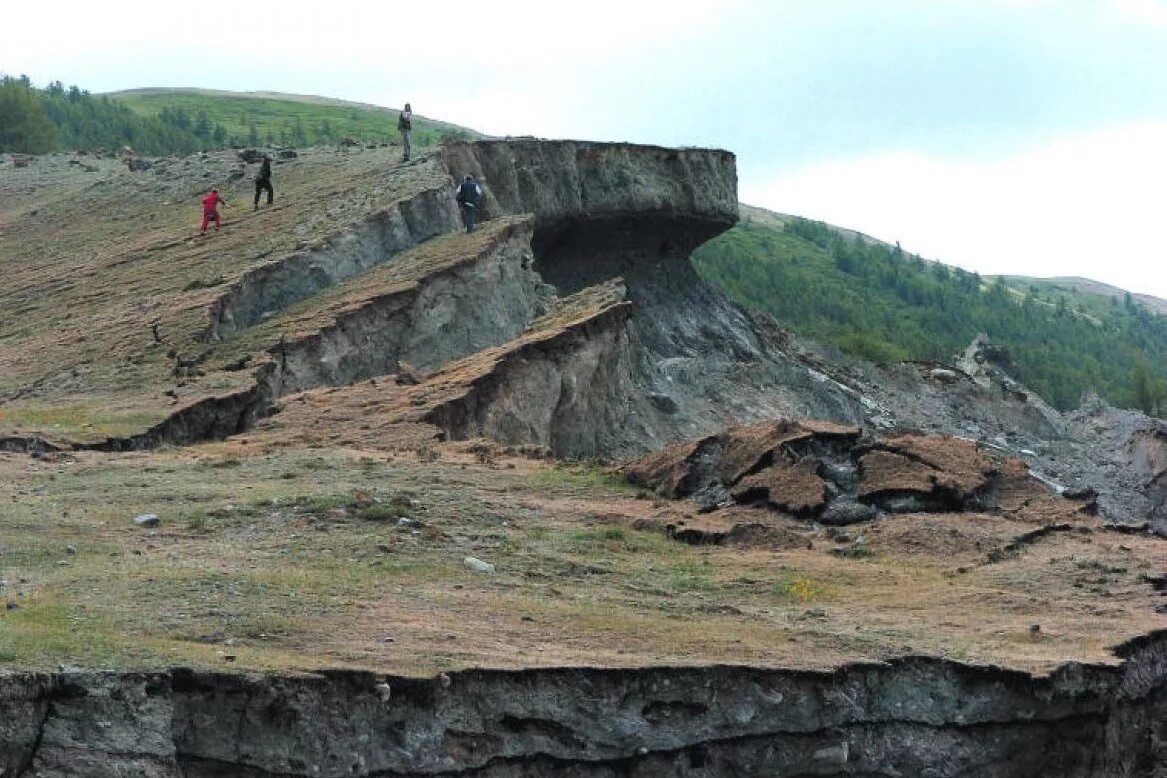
(468, 196)
(263, 181)
(405, 127)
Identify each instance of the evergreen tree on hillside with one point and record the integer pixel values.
(880, 303)
(24, 125)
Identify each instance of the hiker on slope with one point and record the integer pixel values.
(469, 196)
(211, 210)
(405, 127)
(263, 181)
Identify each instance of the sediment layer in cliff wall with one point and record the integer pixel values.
(913, 716)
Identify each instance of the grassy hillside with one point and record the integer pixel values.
(881, 303)
(268, 118)
(180, 121)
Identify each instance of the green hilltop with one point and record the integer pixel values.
(881, 303)
(180, 121)
(254, 118)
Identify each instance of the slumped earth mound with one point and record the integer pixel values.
(342, 406)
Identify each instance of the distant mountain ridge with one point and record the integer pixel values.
(1067, 284)
(1088, 286)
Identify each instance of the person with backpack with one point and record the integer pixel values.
(469, 195)
(263, 181)
(405, 127)
(211, 210)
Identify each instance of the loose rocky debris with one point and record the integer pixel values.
(828, 473)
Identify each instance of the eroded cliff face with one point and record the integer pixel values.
(568, 183)
(914, 716)
(688, 360)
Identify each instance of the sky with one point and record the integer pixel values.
(1004, 136)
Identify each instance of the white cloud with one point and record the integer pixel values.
(1088, 206)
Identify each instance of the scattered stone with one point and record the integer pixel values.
(384, 691)
(70, 550)
(711, 498)
(147, 520)
(477, 564)
(287, 154)
(444, 680)
(1034, 629)
(841, 513)
(839, 754)
(663, 402)
(251, 156)
(408, 375)
(1079, 492)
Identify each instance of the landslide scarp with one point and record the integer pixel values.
(215, 358)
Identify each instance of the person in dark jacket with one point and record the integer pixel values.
(469, 196)
(263, 181)
(405, 127)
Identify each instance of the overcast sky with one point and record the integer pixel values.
(1005, 136)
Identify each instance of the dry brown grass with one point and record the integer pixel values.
(263, 555)
(95, 263)
(284, 548)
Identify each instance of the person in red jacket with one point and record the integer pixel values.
(211, 210)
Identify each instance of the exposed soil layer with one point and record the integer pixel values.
(913, 716)
(271, 288)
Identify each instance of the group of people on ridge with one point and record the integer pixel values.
(468, 194)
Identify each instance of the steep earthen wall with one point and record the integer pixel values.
(913, 716)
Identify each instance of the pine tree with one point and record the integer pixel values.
(24, 125)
